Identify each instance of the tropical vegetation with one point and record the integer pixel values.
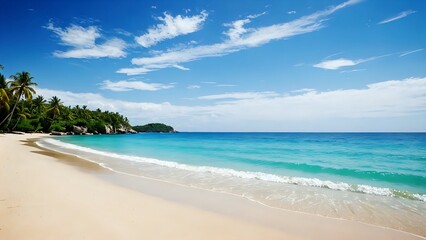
(154, 127)
(21, 109)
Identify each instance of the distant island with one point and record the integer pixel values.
(154, 127)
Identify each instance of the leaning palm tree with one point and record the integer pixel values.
(20, 86)
(4, 95)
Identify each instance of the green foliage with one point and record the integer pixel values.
(20, 111)
(26, 126)
(57, 126)
(154, 127)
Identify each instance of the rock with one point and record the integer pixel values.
(132, 131)
(79, 130)
(56, 133)
(17, 132)
(121, 129)
(109, 129)
(70, 133)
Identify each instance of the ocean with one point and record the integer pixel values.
(376, 178)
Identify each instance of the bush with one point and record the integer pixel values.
(57, 126)
(96, 126)
(25, 126)
(80, 122)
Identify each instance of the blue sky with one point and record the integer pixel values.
(357, 65)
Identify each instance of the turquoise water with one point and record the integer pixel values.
(378, 178)
(388, 160)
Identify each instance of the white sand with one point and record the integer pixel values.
(43, 198)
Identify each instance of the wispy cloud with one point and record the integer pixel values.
(239, 38)
(121, 86)
(411, 52)
(336, 64)
(397, 17)
(382, 106)
(239, 95)
(83, 43)
(193, 87)
(353, 70)
(171, 27)
(219, 84)
(147, 69)
(304, 90)
(236, 28)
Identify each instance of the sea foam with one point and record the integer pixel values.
(302, 181)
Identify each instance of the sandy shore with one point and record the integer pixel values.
(43, 198)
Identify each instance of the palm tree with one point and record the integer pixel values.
(85, 113)
(1, 66)
(68, 114)
(38, 104)
(22, 113)
(4, 95)
(54, 107)
(20, 86)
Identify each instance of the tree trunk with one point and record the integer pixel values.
(10, 115)
(16, 124)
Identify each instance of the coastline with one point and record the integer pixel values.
(52, 200)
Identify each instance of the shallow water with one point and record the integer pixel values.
(377, 178)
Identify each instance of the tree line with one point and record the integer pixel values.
(154, 127)
(21, 109)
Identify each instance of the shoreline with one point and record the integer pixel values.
(258, 221)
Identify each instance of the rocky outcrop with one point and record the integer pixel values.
(109, 129)
(56, 133)
(79, 130)
(121, 129)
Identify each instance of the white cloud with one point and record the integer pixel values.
(236, 28)
(226, 85)
(342, 62)
(411, 52)
(83, 43)
(336, 64)
(397, 17)
(193, 87)
(398, 105)
(239, 38)
(291, 12)
(304, 90)
(144, 70)
(353, 70)
(239, 95)
(181, 67)
(171, 27)
(121, 86)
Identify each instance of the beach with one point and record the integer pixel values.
(47, 195)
